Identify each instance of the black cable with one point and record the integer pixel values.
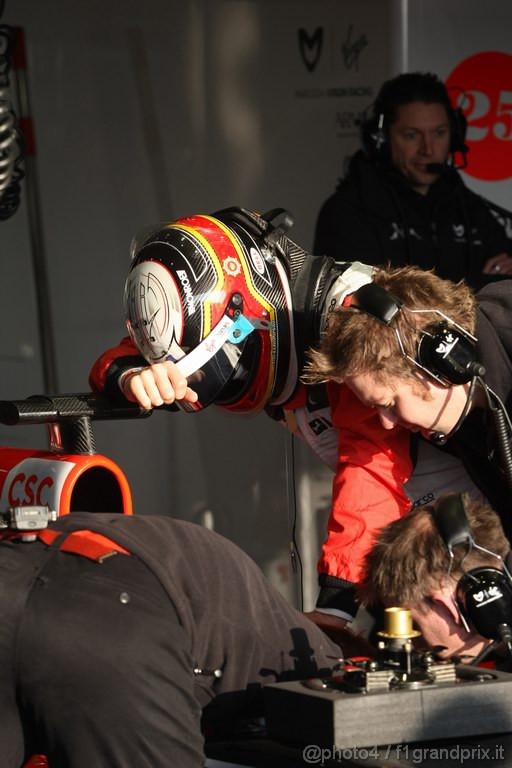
(467, 407)
(440, 438)
(484, 654)
(295, 558)
(503, 429)
(505, 634)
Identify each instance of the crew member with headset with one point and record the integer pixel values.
(423, 355)
(449, 564)
(403, 200)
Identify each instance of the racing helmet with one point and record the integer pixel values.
(212, 294)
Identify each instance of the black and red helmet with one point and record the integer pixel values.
(212, 293)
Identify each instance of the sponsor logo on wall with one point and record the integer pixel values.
(323, 51)
(310, 47)
(481, 85)
(348, 49)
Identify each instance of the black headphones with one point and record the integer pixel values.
(375, 139)
(483, 595)
(445, 351)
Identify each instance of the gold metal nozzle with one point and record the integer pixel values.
(398, 624)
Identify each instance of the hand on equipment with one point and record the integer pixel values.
(158, 384)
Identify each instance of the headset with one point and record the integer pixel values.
(483, 596)
(374, 129)
(446, 352)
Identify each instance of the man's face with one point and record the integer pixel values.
(442, 630)
(419, 135)
(434, 409)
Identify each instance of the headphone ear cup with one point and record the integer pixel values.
(374, 139)
(447, 354)
(484, 598)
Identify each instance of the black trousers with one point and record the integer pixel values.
(95, 669)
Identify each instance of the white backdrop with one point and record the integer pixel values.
(469, 45)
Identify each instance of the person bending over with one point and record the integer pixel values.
(119, 631)
(446, 563)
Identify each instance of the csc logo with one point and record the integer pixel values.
(29, 489)
(483, 87)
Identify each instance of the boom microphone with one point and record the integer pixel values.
(438, 438)
(437, 168)
(505, 634)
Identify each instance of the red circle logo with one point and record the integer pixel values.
(482, 87)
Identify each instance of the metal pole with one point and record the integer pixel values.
(31, 185)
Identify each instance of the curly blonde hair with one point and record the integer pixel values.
(357, 343)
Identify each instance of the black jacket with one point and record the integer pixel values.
(375, 217)
(476, 441)
(235, 619)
